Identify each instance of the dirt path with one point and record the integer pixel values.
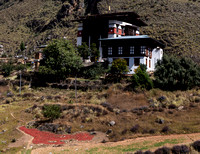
(85, 147)
(25, 140)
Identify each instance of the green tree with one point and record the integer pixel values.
(118, 68)
(141, 78)
(22, 46)
(174, 73)
(60, 60)
(95, 53)
(84, 50)
(6, 69)
(52, 111)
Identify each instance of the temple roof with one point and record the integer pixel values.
(129, 17)
(141, 38)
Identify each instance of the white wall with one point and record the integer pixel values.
(157, 54)
(79, 41)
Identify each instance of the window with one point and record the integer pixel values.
(120, 50)
(136, 61)
(123, 30)
(117, 28)
(132, 49)
(142, 49)
(150, 52)
(146, 62)
(109, 50)
(149, 63)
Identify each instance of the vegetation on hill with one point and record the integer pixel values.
(60, 60)
(141, 78)
(173, 22)
(176, 74)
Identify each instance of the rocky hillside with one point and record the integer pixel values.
(176, 23)
(35, 22)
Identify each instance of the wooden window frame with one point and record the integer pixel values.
(109, 50)
(132, 50)
(120, 50)
(143, 50)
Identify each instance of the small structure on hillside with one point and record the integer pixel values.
(39, 56)
(117, 36)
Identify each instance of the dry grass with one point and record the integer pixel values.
(183, 121)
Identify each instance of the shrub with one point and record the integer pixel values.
(163, 150)
(196, 145)
(172, 106)
(165, 129)
(183, 149)
(174, 73)
(139, 152)
(118, 68)
(20, 67)
(148, 152)
(152, 131)
(51, 111)
(135, 128)
(141, 78)
(93, 72)
(4, 55)
(95, 53)
(84, 50)
(6, 69)
(124, 132)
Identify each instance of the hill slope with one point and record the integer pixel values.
(174, 22)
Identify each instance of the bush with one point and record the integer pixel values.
(135, 128)
(118, 68)
(148, 152)
(196, 145)
(84, 50)
(95, 53)
(93, 72)
(163, 150)
(174, 73)
(6, 69)
(172, 106)
(51, 111)
(4, 55)
(165, 129)
(141, 78)
(183, 149)
(139, 152)
(124, 132)
(152, 131)
(20, 67)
